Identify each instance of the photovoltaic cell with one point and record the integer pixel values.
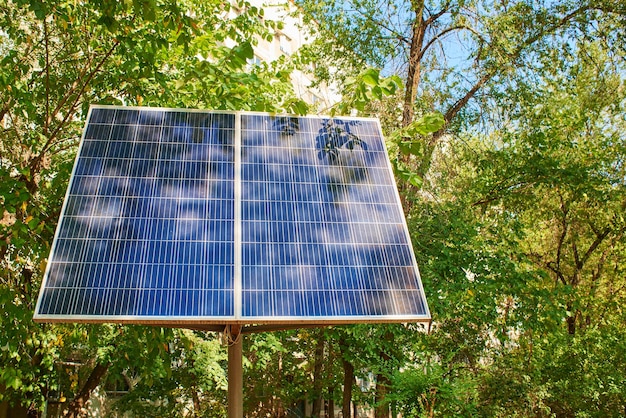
(181, 216)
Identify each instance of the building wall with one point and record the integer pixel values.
(285, 43)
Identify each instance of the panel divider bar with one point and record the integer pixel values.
(237, 247)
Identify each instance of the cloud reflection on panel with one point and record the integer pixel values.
(322, 228)
(148, 225)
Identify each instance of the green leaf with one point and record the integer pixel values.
(377, 93)
(370, 77)
(407, 175)
(33, 223)
(146, 9)
(299, 107)
(413, 147)
(427, 124)
(413, 178)
(244, 51)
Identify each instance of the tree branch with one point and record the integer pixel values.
(594, 245)
(72, 88)
(559, 274)
(456, 107)
(561, 241)
(72, 108)
(439, 36)
(577, 262)
(93, 381)
(459, 104)
(47, 81)
(432, 18)
(395, 34)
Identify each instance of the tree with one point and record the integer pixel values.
(193, 382)
(515, 201)
(568, 193)
(57, 57)
(515, 238)
(450, 54)
(501, 41)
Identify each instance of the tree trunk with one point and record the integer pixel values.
(415, 67)
(571, 320)
(194, 396)
(383, 382)
(74, 408)
(382, 390)
(348, 380)
(317, 375)
(414, 73)
(331, 407)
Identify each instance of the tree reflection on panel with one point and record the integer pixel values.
(323, 234)
(148, 223)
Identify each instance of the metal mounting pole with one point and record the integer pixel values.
(235, 371)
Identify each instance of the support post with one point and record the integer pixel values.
(235, 371)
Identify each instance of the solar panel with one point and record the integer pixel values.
(200, 217)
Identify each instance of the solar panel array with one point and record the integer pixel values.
(195, 217)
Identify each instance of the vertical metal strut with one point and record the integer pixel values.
(234, 339)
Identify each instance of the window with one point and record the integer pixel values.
(285, 44)
(254, 61)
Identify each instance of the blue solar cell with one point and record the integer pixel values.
(107, 115)
(217, 217)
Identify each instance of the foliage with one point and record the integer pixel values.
(195, 381)
(511, 169)
(560, 374)
(517, 239)
(57, 57)
(515, 208)
(368, 86)
(408, 143)
(449, 392)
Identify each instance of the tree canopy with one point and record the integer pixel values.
(57, 58)
(505, 124)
